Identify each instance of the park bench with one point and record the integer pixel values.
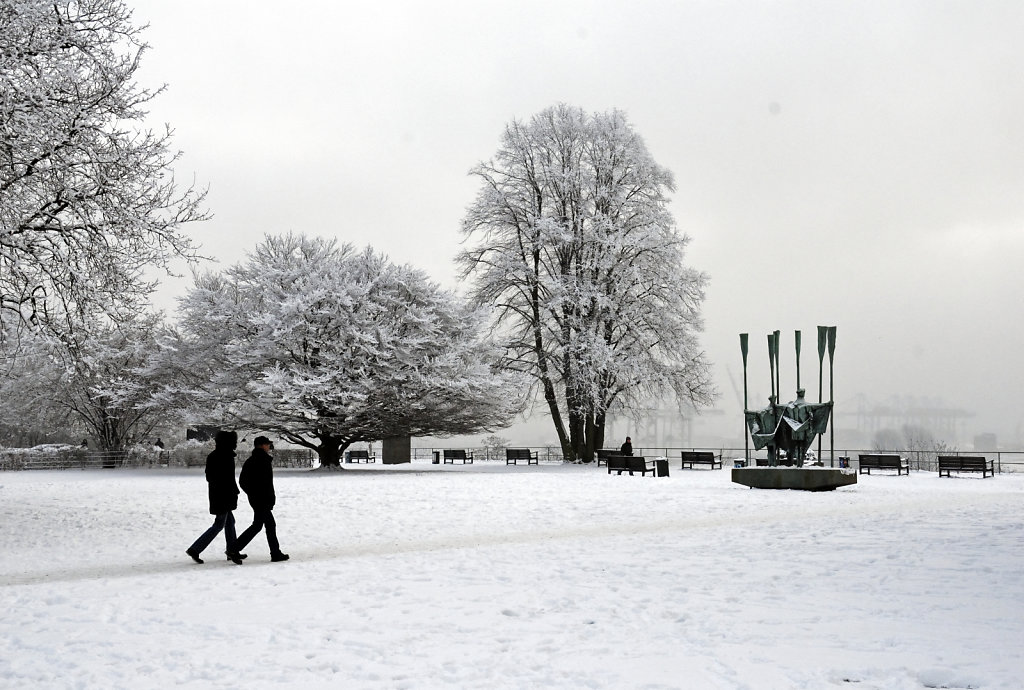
(514, 455)
(873, 461)
(450, 456)
(604, 453)
(966, 463)
(361, 456)
(700, 457)
(631, 464)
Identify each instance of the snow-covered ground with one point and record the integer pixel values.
(430, 576)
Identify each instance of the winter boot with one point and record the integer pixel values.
(234, 557)
(278, 557)
(194, 555)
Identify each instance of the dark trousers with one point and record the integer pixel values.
(224, 521)
(261, 518)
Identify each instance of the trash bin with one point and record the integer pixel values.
(661, 468)
(437, 458)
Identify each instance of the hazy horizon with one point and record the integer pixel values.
(853, 164)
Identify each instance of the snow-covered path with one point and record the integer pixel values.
(494, 577)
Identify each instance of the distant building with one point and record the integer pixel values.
(986, 442)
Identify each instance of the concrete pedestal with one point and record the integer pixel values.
(798, 478)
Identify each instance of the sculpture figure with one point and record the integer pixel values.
(787, 431)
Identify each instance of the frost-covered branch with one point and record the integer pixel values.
(87, 197)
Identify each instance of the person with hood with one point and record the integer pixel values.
(627, 447)
(257, 481)
(220, 476)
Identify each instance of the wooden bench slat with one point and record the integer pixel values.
(877, 461)
(631, 464)
(450, 456)
(361, 456)
(700, 457)
(966, 463)
(513, 455)
(604, 453)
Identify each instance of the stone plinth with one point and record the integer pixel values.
(798, 478)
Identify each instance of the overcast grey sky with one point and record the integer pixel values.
(851, 163)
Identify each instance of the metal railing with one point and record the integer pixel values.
(20, 459)
(924, 460)
(1003, 461)
(25, 459)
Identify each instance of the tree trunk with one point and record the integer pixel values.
(599, 421)
(329, 451)
(588, 439)
(542, 366)
(556, 417)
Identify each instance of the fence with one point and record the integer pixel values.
(545, 454)
(924, 460)
(1003, 461)
(28, 459)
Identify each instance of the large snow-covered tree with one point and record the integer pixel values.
(87, 197)
(326, 346)
(571, 239)
(95, 384)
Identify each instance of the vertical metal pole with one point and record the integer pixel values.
(831, 390)
(771, 363)
(746, 432)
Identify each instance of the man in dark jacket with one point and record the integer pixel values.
(220, 476)
(627, 447)
(257, 480)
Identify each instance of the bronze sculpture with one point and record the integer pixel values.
(788, 430)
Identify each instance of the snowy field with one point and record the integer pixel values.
(429, 576)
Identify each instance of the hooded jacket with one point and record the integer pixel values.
(220, 474)
(257, 480)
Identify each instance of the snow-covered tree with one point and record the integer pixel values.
(572, 241)
(92, 385)
(326, 346)
(29, 414)
(87, 197)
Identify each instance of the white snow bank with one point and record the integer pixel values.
(495, 577)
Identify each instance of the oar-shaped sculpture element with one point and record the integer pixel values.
(831, 392)
(746, 431)
(778, 367)
(822, 340)
(796, 340)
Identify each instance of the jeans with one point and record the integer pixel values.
(261, 517)
(223, 521)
